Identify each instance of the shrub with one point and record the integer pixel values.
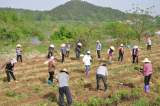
(141, 102)
(95, 101)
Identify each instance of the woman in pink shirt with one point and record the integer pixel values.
(147, 72)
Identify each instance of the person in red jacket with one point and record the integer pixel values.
(147, 72)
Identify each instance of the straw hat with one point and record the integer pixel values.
(112, 47)
(79, 44)
(51, 58)
(64, 70)
(63, 45)
(146, 60)
(52, 46)
(121, 45)
(88, 52)
(97, 41)
(13, 60)
(135, 47)
(18, 45)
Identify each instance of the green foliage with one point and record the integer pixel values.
(11, 93)
(141, 102)
(77, 103)
(157, 101)
(135, 92)
(62, 33)
(95, 101)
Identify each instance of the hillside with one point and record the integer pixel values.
(81, 10)
(33, 90)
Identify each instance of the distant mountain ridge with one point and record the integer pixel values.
(74, 10)
(82, 10)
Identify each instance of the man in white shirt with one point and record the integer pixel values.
(87, 62)
(102, 73)
(63, 78)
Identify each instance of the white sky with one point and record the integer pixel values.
(50, 4)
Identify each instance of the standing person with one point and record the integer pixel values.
(147, 72)
(135, 53)
(50, 50)
(121, 53)
(87, 62)
(63, 78)
(149, 43)
(98, 49)
(51, 69)
(78, 50)
(19, 52)
(9, 69)
(110, 54)
(68, 46)
(63, 52)
(102, 74)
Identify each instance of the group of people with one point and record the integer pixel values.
(101, 72)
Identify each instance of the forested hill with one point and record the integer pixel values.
(72, 10)
(81, 10)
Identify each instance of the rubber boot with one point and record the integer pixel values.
(146, 88)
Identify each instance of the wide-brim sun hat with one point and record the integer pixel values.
(18, 45)
(63, 45)
(97, 41)
(146, 60)
(79, 44)
(51, 58)
(51, 46)
(13, 60)
(112, 47)
(88, 52)
(121, 45)
(65, 70)
(135, 47)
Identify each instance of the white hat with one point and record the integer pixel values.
(51, 58)
(13, 60)
(18, 45)
(51, 46)
(121, 45)
(112, 47)
(146, 60)
(79, 44)
(135, 47)
(64, 70)
(88, 52)
(63, 45)
(97, 41)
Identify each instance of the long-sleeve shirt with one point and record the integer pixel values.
(63, 50)
(87, 60)
(98, 46)
(102, 70)
(18, 51)
(63, 79)
(147, 69)
(51, 66)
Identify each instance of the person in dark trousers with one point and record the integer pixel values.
(121, 53)
(63, 52)
(98, 48)
(78, 50)
(147, 72)
(63, 78)
(19, 52)
(50, 50)
(149, 43)
(102, 74)
(135, 53)
(51, 69)
(9, 68)
(68, 46)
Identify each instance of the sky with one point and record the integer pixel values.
(122, 5)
